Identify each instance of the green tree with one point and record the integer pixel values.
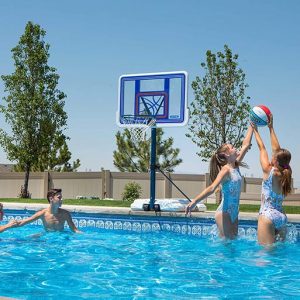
(34, 108)
(219, 112)
(57, 157)
(54, 159)
(133, 156)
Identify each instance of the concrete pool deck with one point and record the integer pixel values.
(293, 218)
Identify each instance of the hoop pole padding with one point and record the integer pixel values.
(152, 167)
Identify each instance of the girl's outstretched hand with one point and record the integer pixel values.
(270, 123)
(188, 209)
(254, 126)
(12, 223)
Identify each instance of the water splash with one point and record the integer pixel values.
(292, 233)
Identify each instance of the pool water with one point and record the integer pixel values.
(110, 264)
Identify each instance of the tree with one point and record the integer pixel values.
(34, 108)
(219, 112)
(55, 160)
(133, 156)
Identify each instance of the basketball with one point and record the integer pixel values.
(260, 115)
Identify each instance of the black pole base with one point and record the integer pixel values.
(156, 207)
(146, 207)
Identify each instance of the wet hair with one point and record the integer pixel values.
(51, 193)
(283, 157)
(218, 160)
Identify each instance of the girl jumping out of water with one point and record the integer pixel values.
(224, 171)
(277, 183)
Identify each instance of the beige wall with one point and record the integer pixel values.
(108, 184)
(87, 184)
(191, 185)
(10, 184)
(253, 185)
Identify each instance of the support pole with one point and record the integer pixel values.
(152, 167)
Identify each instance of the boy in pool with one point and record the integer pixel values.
(11, 224)
(53, 217)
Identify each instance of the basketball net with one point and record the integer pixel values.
(138, 131)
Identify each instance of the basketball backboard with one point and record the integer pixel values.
(158, 96)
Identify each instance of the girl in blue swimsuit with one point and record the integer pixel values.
(224, 171)
(277, 178)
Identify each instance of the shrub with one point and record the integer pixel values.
(132, 191)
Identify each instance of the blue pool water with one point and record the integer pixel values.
(132, 264)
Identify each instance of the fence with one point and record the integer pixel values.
(106, 184)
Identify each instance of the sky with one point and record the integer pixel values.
(94, 42)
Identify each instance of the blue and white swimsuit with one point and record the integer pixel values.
(231, 190)
(271, 204)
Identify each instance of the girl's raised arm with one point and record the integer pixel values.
(274, 140)
(246, 144)
(264, 158)
(208, 191)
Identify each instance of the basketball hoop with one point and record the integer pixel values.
(151, 100)
(138, 126)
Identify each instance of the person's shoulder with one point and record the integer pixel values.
(64, 211)
(269, 168)
(224, 172)
(226, 169)
(41, 212)
(276, 172)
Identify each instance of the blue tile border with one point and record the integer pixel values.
(143, 224)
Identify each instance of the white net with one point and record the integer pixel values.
(138, 127)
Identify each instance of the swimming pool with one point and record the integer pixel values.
(145, 258)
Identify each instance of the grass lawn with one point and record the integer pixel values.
(255, 208)
(120, 203)
(89, 202)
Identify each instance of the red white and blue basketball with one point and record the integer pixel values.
(260, 115)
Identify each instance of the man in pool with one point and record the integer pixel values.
(11, 224)
(53, 217)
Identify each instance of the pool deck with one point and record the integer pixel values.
(294, 218)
